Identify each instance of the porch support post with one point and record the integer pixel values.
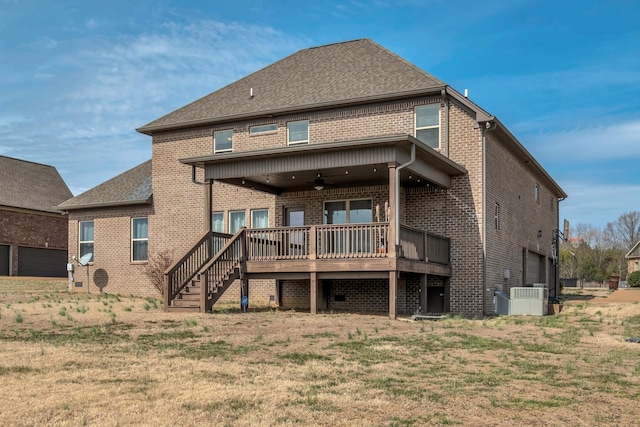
(423, 294)
(393, 288)
(313, 282)
(393, 215)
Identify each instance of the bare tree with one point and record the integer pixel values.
(625, 231)
(156, 266)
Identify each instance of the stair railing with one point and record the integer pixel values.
(222, 267)
(185, 269)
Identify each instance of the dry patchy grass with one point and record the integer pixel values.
(112, 360)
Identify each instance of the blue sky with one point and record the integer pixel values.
(77, 77)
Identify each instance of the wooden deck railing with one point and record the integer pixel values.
(223, 266)
(438, 249)
(352, 240)
(280, 243)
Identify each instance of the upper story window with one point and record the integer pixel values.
(497, 216)
(253, 130)
(298, 132)
(139, 239)
(85, 238)
(428, 125)
(536, 193)
(223, 141)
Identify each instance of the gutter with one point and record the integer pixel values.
(397, 190)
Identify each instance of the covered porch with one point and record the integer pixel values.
(315, 246)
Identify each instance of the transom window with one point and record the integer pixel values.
(139, 239)
(223, 141)
(237, 220)
(85, 239)
(428, 125)
(262, 129)
(298, 132)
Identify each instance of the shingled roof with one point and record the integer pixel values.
(29, 185)
(336, 74)
(129, 188)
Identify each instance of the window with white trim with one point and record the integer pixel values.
(298, 132)
(217, 222)
(536, 193)
(223, 141)
(139, 239)
(85, 239)
(428, 124)
(260, 218)
(237, 220)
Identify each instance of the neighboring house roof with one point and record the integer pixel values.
(354, 71)
(634, 252)
(29, 185)
(132, 187)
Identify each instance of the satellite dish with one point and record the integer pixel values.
(84, 260)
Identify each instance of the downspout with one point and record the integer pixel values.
(445, 98)
(488, 126)
(397, 189)
(556, 288)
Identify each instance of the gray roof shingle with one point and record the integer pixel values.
(334, 74)
(130, 187)
(29, 185)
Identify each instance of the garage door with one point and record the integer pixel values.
(41, 262)
(4, 260)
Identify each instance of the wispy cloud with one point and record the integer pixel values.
(595, 144)
(94, 91)
(597, 204)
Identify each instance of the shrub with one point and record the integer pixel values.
(634, 279)
(156, 266)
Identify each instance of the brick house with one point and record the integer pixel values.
(33, 232)
(633, 259)
(343, 178)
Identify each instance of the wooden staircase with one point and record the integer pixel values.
(196, 282)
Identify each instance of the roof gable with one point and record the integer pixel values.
(327, 75)
(634, 252)
(128, 188)
(29, 185)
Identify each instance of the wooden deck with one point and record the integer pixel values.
(358, 251)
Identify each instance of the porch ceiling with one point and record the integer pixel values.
(338, 164)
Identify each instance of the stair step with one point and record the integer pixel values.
(176, 309)
(186, 303)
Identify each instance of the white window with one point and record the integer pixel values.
(217, 222)
(298, 132)
(428, 125)
(85, 239)
(253, 130)
(260, 218)
(536, 193)
(497, 216)
(223, 141)
(139, 239)
(236, 221)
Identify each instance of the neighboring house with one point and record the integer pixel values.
(110, 222)
(633, 259)
(33, 232)
(339, 178)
